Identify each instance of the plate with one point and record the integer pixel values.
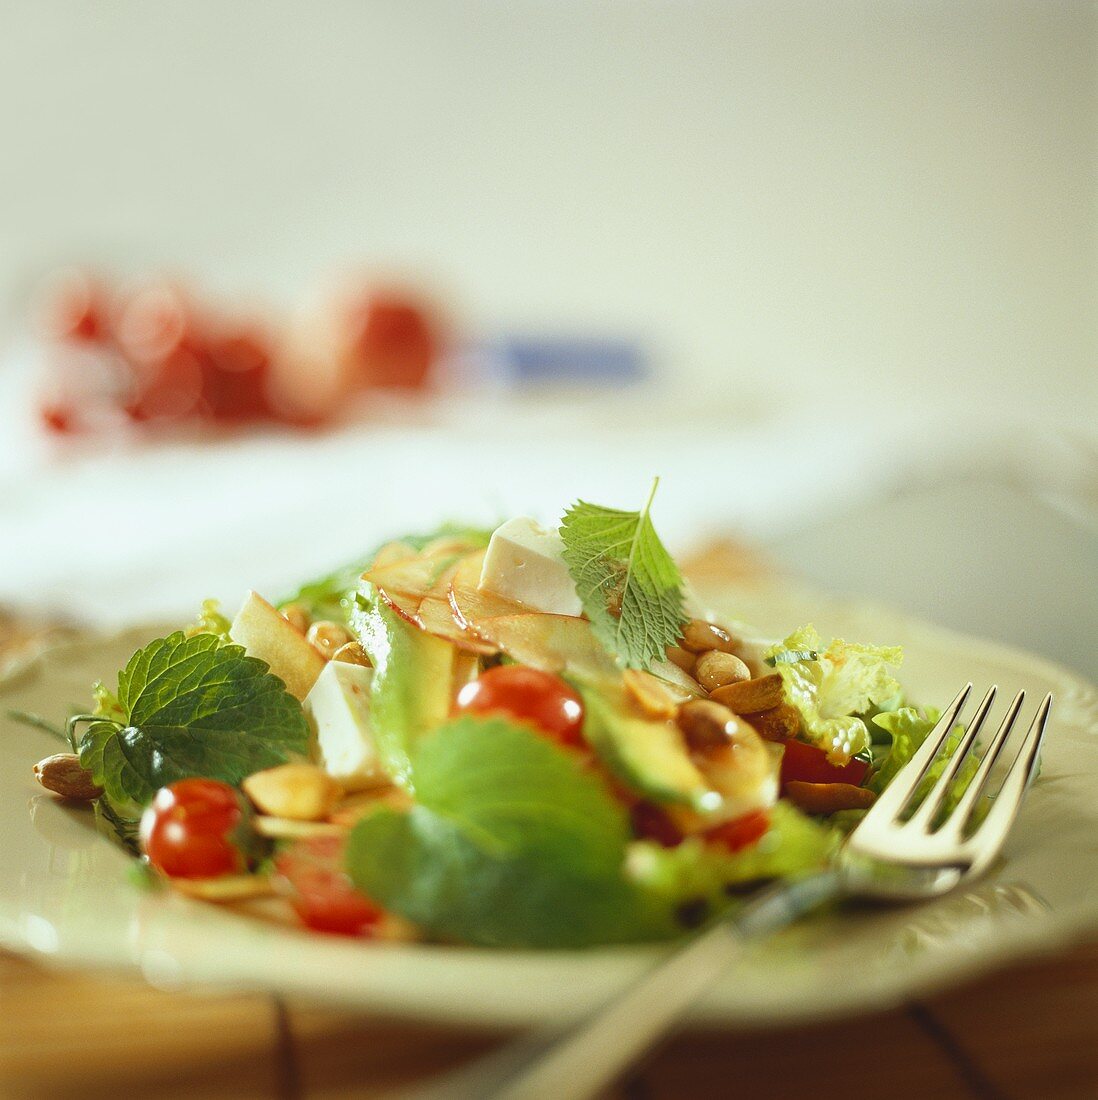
(65, 895)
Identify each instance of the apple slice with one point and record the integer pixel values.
(437, 617)
(265, 634)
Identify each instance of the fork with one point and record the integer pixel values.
(892, 855)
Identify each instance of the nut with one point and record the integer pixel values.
(326, 637)
(682, 657)
(751, 696)
(715, 669)
(700, 635)
(297, 615)
(707, 725)
(828, 798)
(650, 693)
(63, 774)
(778, 724)
(352, 654)
(300, 792)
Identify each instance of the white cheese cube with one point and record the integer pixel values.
(338, 710)
(525, 562)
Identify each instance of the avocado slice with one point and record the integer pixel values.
(410, 693)
(648, 755)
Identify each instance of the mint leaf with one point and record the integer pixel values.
(191, 707)
(627, 582)
(511, 843)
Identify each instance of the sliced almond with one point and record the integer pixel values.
(751, 696)
(356, 806)
(301, 792)
(225, 888)
(63, 774)
(282, 828)
(828, 798)
(650, 693)
(352, 654)
(779, 723)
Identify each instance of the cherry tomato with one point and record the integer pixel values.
(803, 763)
(742, 831)
(392, 341)
(320, 890)
(186, 831)
(530, 695)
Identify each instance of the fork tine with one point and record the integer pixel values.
(992, 832)
(923, 818)
(895, 796)
(968, 800)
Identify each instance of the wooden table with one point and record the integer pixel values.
(1028, 1032)
(1031, 1031)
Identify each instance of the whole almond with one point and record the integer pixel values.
(751, 696)
(63, 774)
(716, 669)
(699, 635)
(299, 792)
(707, 725)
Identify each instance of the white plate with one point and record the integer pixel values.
(64, 894)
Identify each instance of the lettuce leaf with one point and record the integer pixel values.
(907, 728)
(699, 874)
(833, 686)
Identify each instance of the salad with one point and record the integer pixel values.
(519, 737)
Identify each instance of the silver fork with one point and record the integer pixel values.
(890, 856)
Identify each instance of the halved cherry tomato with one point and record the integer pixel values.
(803, 763)
(530, 695)
(321, 891)
(187, 830)
(741, 831)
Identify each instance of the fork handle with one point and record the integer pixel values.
(588, 1056)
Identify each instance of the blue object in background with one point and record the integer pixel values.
(569, 358)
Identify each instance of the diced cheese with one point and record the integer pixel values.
(525, 562)
(338, 710)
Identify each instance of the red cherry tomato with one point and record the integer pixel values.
(320, 890)
(741, 831)
(392, 342)
(803, 763)
(186, 831)
(530, 695)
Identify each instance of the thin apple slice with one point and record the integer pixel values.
(265, 633)
(553, 643)
(437, 617)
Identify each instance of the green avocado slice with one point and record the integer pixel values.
(410, 694)
(647, 755)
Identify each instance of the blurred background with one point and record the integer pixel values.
(278, 280)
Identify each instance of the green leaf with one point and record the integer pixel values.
(795, 845)
(907, 729)
(191, 707)
(511, 842)
(834, 685)
(628, 584)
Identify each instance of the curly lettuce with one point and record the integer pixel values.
(835, 686)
